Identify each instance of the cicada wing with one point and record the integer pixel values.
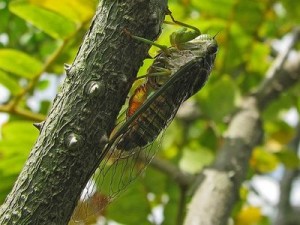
(117, 170)
(121, 166)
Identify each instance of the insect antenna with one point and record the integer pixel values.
(216, 34)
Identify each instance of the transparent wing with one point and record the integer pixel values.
(120, 167)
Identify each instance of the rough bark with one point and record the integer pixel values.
(221, 183)
(82, 116)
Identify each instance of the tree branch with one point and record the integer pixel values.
(183, 179)
(29, 115)
(82, 116)
(281, 74)
(285, 211)
(221, 183)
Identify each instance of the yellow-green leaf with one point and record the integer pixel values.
(215, 7)
(75, 10)
(249, 215)
(289, 158)
(17, 138)
(263, 161)
(218, 100)
(9, 82)
(57, 26)
(19, 63)
(193, 161)
(133, 203)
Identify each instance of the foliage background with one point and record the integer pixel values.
(37, 37)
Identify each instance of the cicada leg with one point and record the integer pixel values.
(178, 38)
(197, 32)
(164, 48)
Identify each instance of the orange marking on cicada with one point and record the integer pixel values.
(137, 99)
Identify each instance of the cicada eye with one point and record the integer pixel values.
(212, 49)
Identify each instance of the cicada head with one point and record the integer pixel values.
(204, 44)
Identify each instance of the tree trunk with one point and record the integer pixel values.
(83, 113)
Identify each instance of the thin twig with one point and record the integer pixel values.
(27, 114)
(183, 179)
(281, 58)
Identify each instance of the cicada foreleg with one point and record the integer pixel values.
(197, 32)
(183, 35)
(164, 48)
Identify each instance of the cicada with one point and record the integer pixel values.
(177, 73)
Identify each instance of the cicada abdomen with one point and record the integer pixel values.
(174, 76)
(149, 124)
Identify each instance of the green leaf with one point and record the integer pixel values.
(289, 158)
(209, 138)
(218, 100)
(258, 60)
(263, 161)
(279, 134)
(284, 102)
(43, 84)
(5, 17)
(193, 161)
(249, 21)
(19, 63)
(45, 105)
(234, 54)
(6, 185)
(130, 208)
(221, 8)
(171, 208)
(17, 139)
(153, 176)
(10, 83)
(57, 26)
(292, 10)
(75, 10)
